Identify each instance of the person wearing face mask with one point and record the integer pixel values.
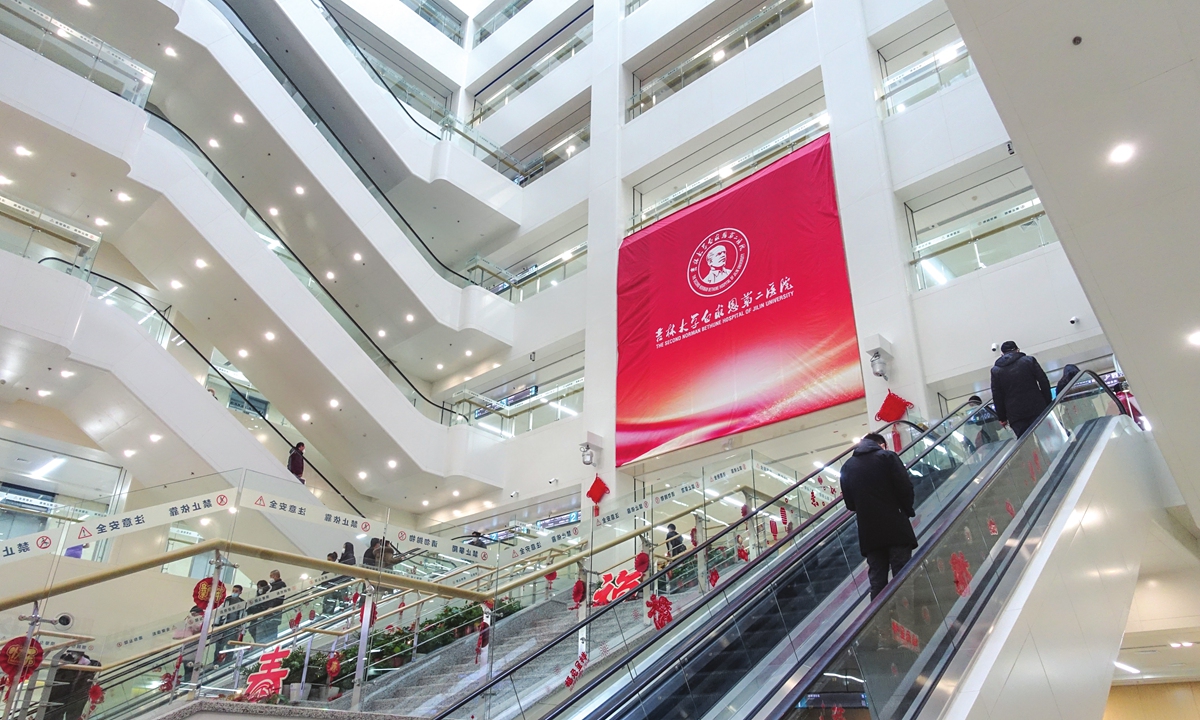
(263, 629)
(233, 610)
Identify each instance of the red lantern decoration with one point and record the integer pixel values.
(713, 577)
(578, 593)
(693, 536)
(893, 408)
(641, 562)
(333, 666)
(362, 611)
(203, 591)
(18, 669)
(597, 491)
(95, 697)
(783, 515)
(774, 530)
(552, 576)
(745, 510)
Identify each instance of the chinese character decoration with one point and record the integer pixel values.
(295, 622)
(742, 553)
(615, 588)
(783, 515)
(577, 669)
(204, 591)
(577, 594)
(18, 662)
(1008, 508)
(838, 713)
(268, 680)
(713, 577)
(595, 493)
(993, 529)
(166, 683)
(660, 611)
(962, 573)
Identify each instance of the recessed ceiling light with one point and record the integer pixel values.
(67, 373)
(44, 393)
(201, 263)
(212, 143)
(495, 365)
(488, 504)
(1176, 645)
(155, 437)
(1186, 643)
(440, 366)
(392, 464)
(467, 378)
(101, 222)
(130, 453)
(409, 317)
(455, 493)
(237, 118)
(383, 333)
(170, 51)
(123, 197)
(23, 151)
(85, 3)
(299, 190)
(176, 284)
(458, 513)
(1194, 338)
(305, 417)
(333, 403)
(718, 56)
(362, 475)
(274, 211)
(425, 502)
(357, 257)
(468, 353)
(1122, 153)
(5, 181)
(329, 275)
(269, 335)
(243, 353)
(554, 283)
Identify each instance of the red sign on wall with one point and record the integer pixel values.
(736, 313)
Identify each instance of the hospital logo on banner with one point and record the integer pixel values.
(718, 262)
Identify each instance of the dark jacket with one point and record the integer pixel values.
(277, 585)
(1069, 373)
(296, 462)
(876, 487)
(675, 544)
(1020, 388)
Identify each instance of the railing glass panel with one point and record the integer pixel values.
(509, 417)
(437, 16)
(20, 234)
(82, 54)
(488, 27)
(732, 172)
(909, 86)
(772, 17)
(523, 284)
(540, 69)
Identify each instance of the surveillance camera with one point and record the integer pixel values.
(587, 454)
(553, 481)
(64, 621)
(514, 493)
(995, 347)
(1074, 320)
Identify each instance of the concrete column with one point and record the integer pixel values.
(872, 219)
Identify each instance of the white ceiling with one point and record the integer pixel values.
(1128, 229)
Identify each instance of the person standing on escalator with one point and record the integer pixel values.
(1020, 388)
(878, 490)
(296, 462)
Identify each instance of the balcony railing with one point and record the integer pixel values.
(524, 411)
(634, 5)
(1012, 231)
(903, 89)
(732, 172)
(772, 17)
(524, 284)
(437, 16)
(82, 54)
(33, 233)
(540, 69)
(554, 154)
(488, 27)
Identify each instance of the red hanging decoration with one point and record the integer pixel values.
(1008, 508)
(18, 669)
(552, 576)
(95, 697)
(482, 641)
(693, 535)
(783, 515)
(713, 577)
(641, 562)
(295, 622)
(743, 554)
(745, 510)
(774, 530)
(660, 611)
(993, 529)
(897, 441)
(203, 591)
(362, 612)
(578, 593)
(597, 491)
(962, 573)
(893, 408)
(312, 614)
(333, 666)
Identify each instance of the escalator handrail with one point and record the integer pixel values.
(937, 534)
(212, 367)
(313, 107)
(718, 621)
(156, 112)
(679, 560)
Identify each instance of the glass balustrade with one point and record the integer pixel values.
(555, 153)
(355, 167)
(634, 5)
(516, 286)
(525, 411)
(540, 69)
(431, 410)
(732, 172)
(909, 86)
(438, 17)
(718, 51)
(85, 55)
(33, 233)
(488, 27)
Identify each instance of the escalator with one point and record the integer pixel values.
(807, 641)
(621, 640)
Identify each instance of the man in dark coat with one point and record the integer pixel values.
(1020, 388)
(295, 462)
(877, 489)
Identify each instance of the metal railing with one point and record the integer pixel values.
(488, 27)
(540, 69)
(438, 17)
(519, 285)
(910, 85)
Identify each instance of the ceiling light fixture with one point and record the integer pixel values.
(362, 475)
(333, 403)
(155, 437)
(468, 353)
(170, 51)
(455, 493)
(409, 317)
(718, 56)
(305, 417)
(44, 470)
(123, 197)
(85, 3)
(67, 373)
(383, 333)
(1194, 338)
(357, 257)
(212, 143)
(130, 453)
(237, 118)
(329, 275)
(489, 504)
(1121, 154)
(392, 464)
(269, 335)
(1126, 668)
(101, 222)
(243, 353)
(175, 284)
(5, 181)
(200, 263)
(495, 365)
(440, 366)
(23, 151)
(44, 393)
(299, 190)
(425, 502)
(274, 212)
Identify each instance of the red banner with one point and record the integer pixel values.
(736, 312)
